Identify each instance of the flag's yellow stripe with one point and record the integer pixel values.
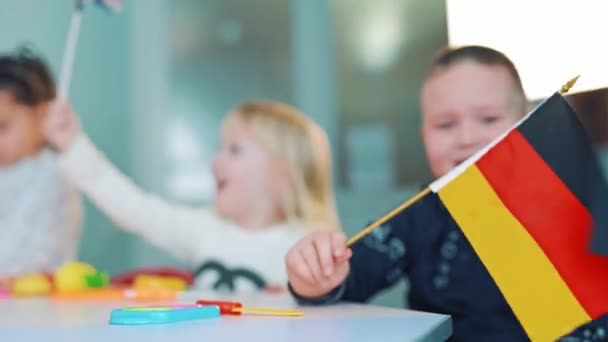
(539, 297)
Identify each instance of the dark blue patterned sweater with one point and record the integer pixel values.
(425, 245)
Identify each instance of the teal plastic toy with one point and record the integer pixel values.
(162, 314)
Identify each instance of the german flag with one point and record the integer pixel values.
(530, 204)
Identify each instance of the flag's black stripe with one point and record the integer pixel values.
(559, 138)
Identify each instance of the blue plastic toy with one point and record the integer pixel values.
(162, 314)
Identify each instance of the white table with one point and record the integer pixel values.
(51, 320)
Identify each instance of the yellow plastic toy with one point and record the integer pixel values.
(147, 282)
(77, 276)
(31, 285)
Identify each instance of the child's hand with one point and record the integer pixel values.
(318, 263)
(61, 126)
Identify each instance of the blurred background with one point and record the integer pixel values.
(152, 84)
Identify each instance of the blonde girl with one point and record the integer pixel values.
(273, 179)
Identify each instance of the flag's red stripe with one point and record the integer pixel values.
(553, 216)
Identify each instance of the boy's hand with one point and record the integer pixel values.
(61, 125)
(318, 263)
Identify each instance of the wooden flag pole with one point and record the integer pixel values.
(388, 216)
(67, 63)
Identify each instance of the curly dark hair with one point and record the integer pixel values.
(27, 77)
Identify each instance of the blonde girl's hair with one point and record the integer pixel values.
(303, 147)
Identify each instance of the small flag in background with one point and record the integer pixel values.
(530, 204)
(112, 5)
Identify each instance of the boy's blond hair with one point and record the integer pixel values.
(293, 138)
